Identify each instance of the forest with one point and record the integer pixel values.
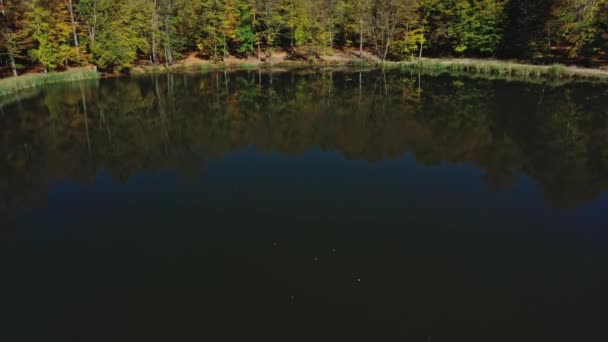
(116, 35)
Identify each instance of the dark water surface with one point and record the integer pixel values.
(304, 206)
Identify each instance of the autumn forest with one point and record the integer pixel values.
(116, 35)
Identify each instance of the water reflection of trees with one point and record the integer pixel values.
(557, 135)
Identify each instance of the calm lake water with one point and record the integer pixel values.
(304, 206)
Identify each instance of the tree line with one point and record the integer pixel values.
(114, 35)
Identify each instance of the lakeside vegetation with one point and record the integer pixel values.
(506, 70)
(555, 74)
(118, 35)
(15, 84)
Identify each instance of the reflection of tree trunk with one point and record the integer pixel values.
(270, 76)
(86, 117)
(542, 96)
(373, 98)
(385, 85)
(226, 83)
(19, 104)
(360, 86)
(171, 91)
(331, 86)
(105, 123)
(260, 77)
(162, 114)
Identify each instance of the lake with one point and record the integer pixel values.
(304, 205)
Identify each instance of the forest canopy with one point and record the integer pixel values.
(114, 35)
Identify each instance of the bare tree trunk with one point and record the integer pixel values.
(257, 38)
(259, 53)
(154, 25)
(73, 20)
(13, 65)
(225, 48)
(293, 28)
(168, 48)
(388, 43)
(94, 27)
(166, 57)
(361, 37)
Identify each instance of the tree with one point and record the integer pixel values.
(526, 33)
(245, 35)
(229, 20)
(270, 21)
(473, 27)
(14, 36)
(49, 25)
(361, 9)
(115, 34)
(386, 17)
(575, 24)
(478, 26)
(121, 33)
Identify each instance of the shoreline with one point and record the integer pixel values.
(475, 68)
(12, 85)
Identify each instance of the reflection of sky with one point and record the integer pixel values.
(317, 188)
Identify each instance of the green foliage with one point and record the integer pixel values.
(471, 27)
(50, 28)
(245, 36)
(579, 24)
(116, 35)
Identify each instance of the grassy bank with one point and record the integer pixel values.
(487, 69)
(502, 70)
(12, 85)
(206, 67)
